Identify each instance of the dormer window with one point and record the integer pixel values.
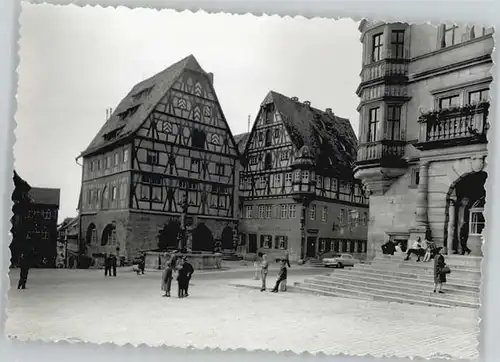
(128, 112)
(142, 93)
(112, 134)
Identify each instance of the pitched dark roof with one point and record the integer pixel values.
(241, 140)
(330, 138)
(45, 196)
(139, 103)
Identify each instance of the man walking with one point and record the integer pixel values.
(107, 266)
(113, 264)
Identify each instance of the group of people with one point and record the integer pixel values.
(180, 269)
(426, 250)
(110, 264)
(282, 274)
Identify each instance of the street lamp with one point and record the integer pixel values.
(181, 237)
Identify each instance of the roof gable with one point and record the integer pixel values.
(133, 110)
(331, 139)
(241, 140)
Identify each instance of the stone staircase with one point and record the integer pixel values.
(389, 278)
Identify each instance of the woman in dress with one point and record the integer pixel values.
(439, 274)
(264, 266)
(166, 278)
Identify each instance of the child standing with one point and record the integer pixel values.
(281, 276)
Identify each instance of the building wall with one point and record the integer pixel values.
(433, 72)
(97, 193)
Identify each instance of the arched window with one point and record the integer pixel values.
(109, 235)
(476, 218)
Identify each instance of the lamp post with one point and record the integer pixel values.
(181, 239)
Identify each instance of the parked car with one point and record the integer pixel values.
(338, 260)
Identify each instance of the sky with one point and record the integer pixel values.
(75, 62)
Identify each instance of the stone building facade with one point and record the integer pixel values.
(423, 122)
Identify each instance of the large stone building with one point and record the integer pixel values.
(297, 190)
(423, 123)
(165, 160)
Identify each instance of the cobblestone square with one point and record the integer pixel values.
(83, 305)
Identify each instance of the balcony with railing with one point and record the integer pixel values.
(454, 126)
(384, 152)
(384, 68)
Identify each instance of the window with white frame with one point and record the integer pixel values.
(292, 211)
(377, 45)
(46, 214)
(305, 176)
(297, 176)
(284, 211)
(324, 214)
(262, 211)
(312, 212)
(269, 211)
(342, 217)
(277, 180)
(44, 234)
(266, 241)
(288, 178)
(248, 212)
(125, 156)
(117, 158)
(477, 222)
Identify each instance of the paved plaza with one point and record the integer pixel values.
(84, 305)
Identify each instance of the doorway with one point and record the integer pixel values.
(252, 243)
(311, 246)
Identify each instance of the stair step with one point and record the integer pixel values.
(344, 293)
(395, 283)
(473, 285)
(425, 266)
(451, 295)
(474, 277)
(386, 295)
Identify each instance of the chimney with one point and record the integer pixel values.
(329, 111)
(307, 103)
(211, 78)
(295, 99)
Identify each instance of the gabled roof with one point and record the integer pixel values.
(45, 196)
(241, 140)
(133, 110)
(330, 139)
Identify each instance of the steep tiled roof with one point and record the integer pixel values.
(331, 139)
(45, 196)
(241, 140)
(139, 103)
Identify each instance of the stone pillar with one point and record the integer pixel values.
(451, 225)
(421, 217)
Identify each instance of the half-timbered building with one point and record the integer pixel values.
(297, 190)
(163, 162)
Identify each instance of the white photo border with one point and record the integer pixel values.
(477, 11)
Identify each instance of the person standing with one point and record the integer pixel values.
(281, 276)
(182, 280)
(113, 264)
(464, 236)
(142, 263)
(264, 266)
(166, 278)
(24, 265)
(439, 271)
(107, 268)
(189, 274)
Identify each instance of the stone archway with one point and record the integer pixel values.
(168, 236)
(227, 239)
(108, 235)
(91, 235)
(203, 239)
(465, 204)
